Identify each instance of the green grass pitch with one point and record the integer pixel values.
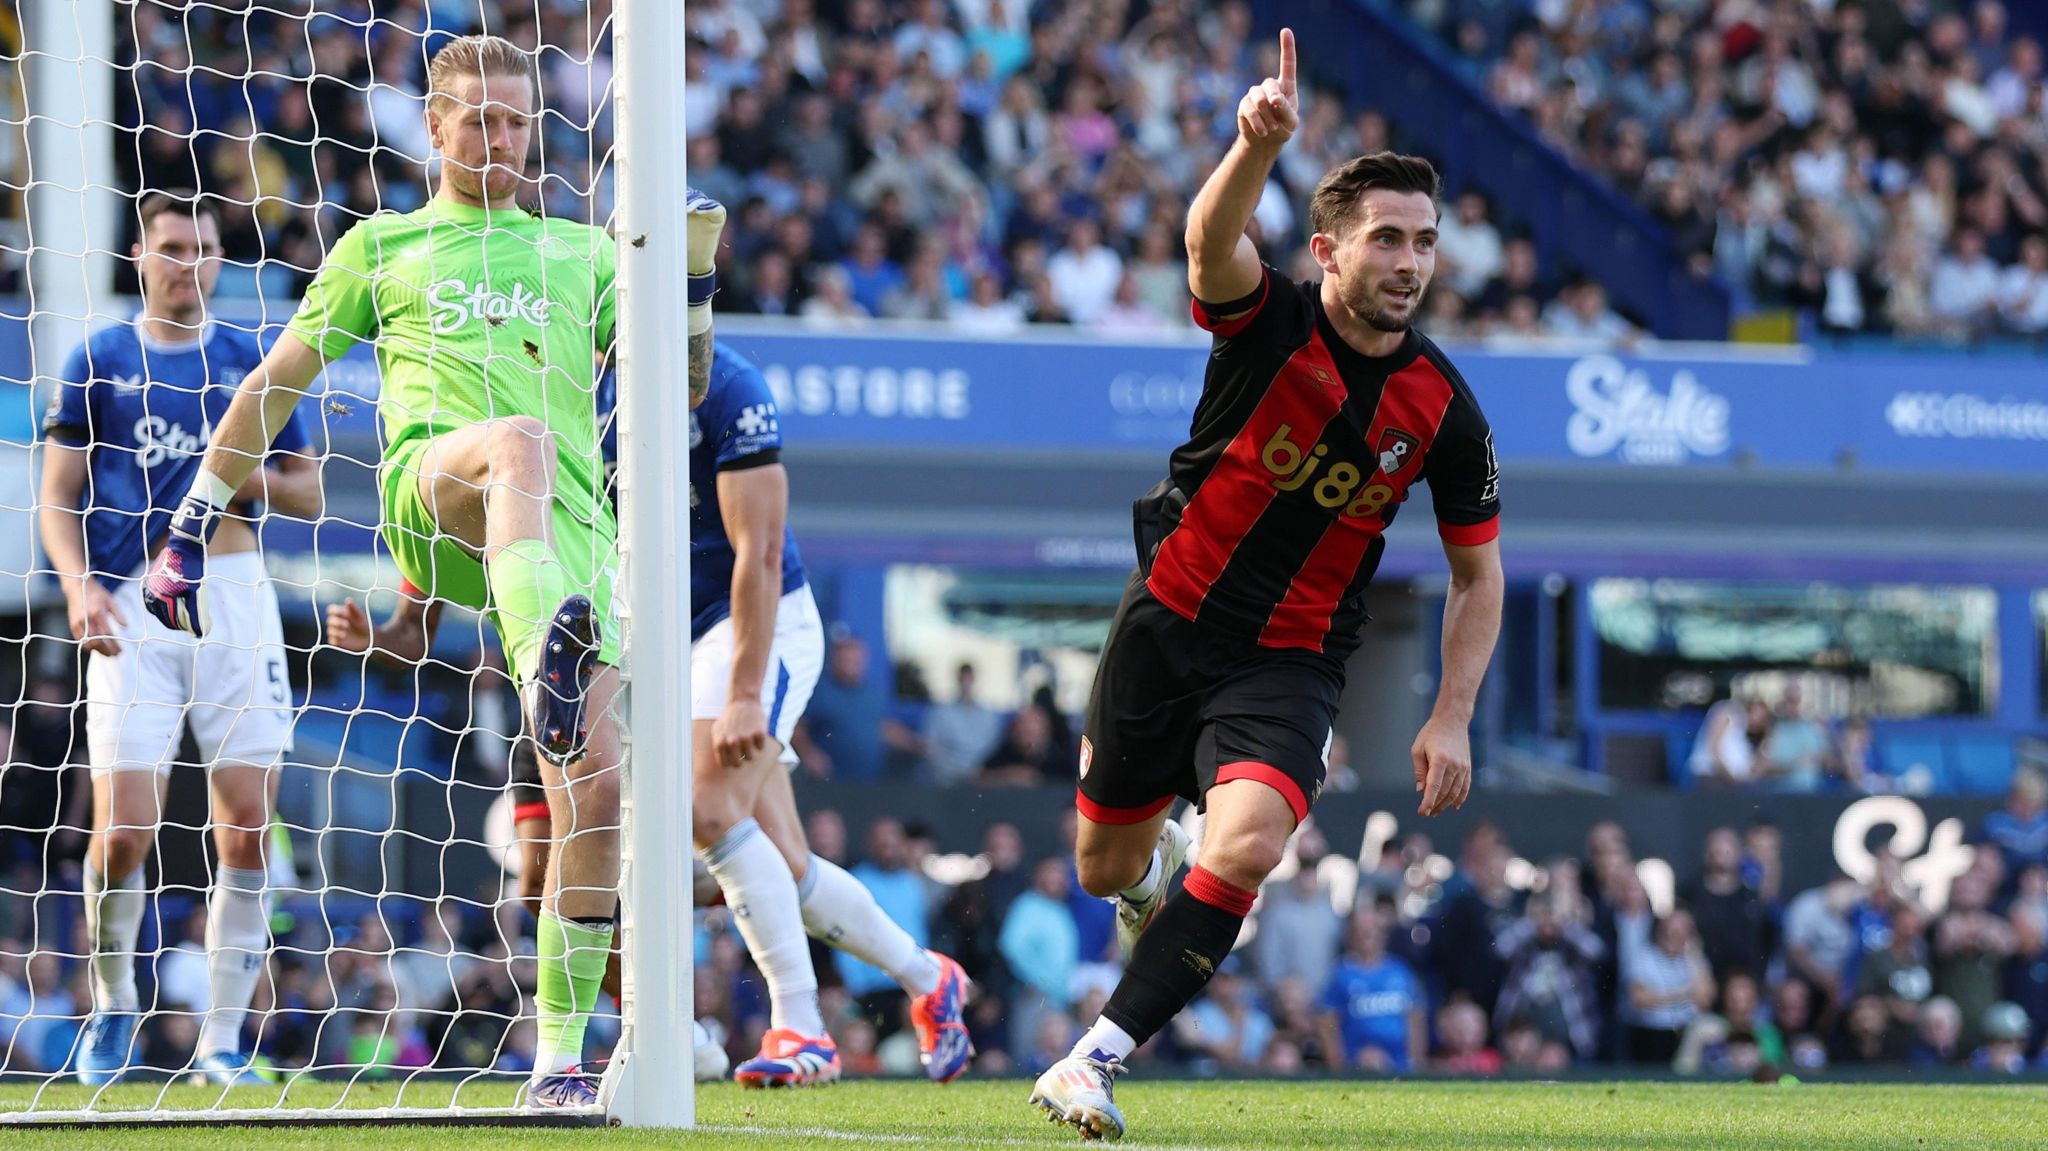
(1220, 1116)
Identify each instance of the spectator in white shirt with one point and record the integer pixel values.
(1582, 313)
(2023, 290)
(1084, 274)
(1161, 270)
(1963, 97)
(711, 20)
(702, 99)
(1819, 938)
(1018, 130)
(1964, 292)
(1128, 312)
(181, 977)
(396, 102)
(1820, 170)
(1470, 245)
(831, 304)
(959, 736)
(1013, 17)
(2009, 86)
(987, 311)
(429, 975)
(932, 181)
(929, 33)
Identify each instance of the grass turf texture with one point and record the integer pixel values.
(1223, 1116)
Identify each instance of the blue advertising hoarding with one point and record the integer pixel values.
(1725, 408)
(1688, 406)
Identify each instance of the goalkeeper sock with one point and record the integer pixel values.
(572, 958)
(840, 910)
(762, 895)
(1193, 932)
(527, 585)
(113, 921)
(237, 942)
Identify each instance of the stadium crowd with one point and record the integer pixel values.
(988, 164)
(1879, 167)
(1746, 742)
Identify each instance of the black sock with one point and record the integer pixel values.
(1178, 953)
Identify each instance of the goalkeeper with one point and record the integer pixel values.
(485, 321)
(754, 625)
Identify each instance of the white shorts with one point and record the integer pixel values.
(230, 687)
(794, 664)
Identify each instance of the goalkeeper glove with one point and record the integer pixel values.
(170, 591)
(707, 223)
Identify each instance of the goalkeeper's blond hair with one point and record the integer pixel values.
(477, 56)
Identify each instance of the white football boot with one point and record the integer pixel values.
(1133, 916)
(1079, 1092)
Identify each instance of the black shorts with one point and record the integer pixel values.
(529, 795)
(1179, 708)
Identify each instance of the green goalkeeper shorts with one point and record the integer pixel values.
(439, 565)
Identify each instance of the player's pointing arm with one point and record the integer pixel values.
(1223, 264)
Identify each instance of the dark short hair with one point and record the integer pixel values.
(1336, 198)
(183, 201)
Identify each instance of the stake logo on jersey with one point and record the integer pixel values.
(146, 411)
(476, 314)
(158, 439)
(737, 426)
(458, 304)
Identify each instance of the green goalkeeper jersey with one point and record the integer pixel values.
(477, 313)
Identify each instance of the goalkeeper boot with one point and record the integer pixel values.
(568, 660)
(1079, 1091)
(1133, 916)
(570, 1090)
(105, 1047)
(788, 1059)
(227, 1069)
(942, 1041)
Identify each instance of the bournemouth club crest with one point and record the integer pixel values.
(1397, 448)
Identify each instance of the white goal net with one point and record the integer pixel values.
(382, 956)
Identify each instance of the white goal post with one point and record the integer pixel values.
(654, 1085)
(391, 851)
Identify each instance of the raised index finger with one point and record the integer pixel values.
(1287, 60)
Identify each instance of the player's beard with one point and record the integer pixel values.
(493, 183)
(185, 309)
(1364, 302)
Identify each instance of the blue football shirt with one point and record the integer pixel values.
(145, 410)
(1372, 1006)
(737, 426)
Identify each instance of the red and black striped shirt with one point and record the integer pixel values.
(1302, 450)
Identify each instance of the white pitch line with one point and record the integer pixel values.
(841, 1136)
(917, 1140)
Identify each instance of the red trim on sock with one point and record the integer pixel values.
(1272, 777)
(1203, 885)
(521, 812)
(1120, 816)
